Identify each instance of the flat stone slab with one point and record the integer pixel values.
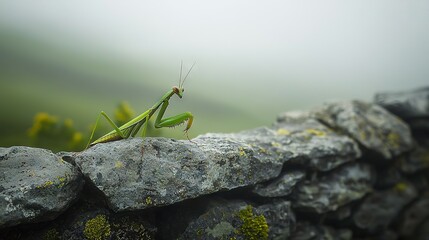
(328, 193)
(379, 208)
(137, 174)
(35, 185)
(369, 124)
(412, 106)
(281, 186)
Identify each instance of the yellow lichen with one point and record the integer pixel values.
(393, 140)
(241, 152)
(45, 185)
(62, 181)
(275, 144)
(262, 150)
(119, 164)
(253, 227)
(149, 201)
(316, 132)
(401, 186)
(363, 135)
(282, 131)
(97, 228)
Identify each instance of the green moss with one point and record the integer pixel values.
(52, 234)
(97, 228)
(254, 227)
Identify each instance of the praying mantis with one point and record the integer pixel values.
(131, 128)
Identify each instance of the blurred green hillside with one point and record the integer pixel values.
(77, 84)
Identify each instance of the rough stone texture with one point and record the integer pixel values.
(308, 231)
(328, 193)
(281, 186)
(414, 215)
(88, 221)
(35, 185)
(412, 106)
(369, 124)
(136, 174)
(414, 161)
(312, 144)
(423, 232)
(379, 209)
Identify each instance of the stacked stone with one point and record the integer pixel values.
(345, 170)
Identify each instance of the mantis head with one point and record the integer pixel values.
(179, 91)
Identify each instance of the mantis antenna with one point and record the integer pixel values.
(180, 76)
(181, 85)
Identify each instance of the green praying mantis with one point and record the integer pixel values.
(131, 128)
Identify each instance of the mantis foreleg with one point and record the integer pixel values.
(174, 120)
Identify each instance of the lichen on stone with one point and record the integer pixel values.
(51, 234)
(148, 201)
(282, 131)
(97, 228)
(119, 164)
(315, 132)
(401, 186)
(242, 152)
(45, 185)
(254, 227)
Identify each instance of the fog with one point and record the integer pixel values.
(261, 57)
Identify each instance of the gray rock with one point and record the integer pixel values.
(308, 231)
(412, 106)
(380, 208)
(414, 215)
(369, 124)
(281, 186)
(340, 214)
(35, 185)
(414, 161)
(136, 174)
(423, 232)
(313, 145)
(388, 176)
(294, 117)
(346, 184)
(239, 220)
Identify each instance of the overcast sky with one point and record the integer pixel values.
(292, 51)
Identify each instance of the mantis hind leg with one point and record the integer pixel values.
(102, 113)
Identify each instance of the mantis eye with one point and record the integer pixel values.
(175, 90)
(183, 89)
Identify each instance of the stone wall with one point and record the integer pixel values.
(345, 170)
